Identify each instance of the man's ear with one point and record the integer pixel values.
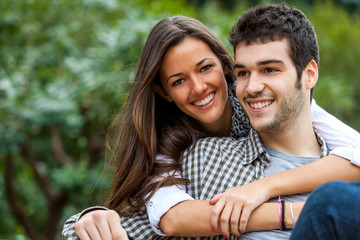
(311, 73)
(158, 89)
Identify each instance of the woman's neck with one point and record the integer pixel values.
(222, 127)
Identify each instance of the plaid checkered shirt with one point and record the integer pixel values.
(215, 165)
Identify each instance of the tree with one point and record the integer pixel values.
(65, 70)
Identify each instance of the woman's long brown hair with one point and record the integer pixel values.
(148, 125)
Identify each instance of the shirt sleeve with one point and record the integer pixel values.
(162, 200)
(341, 139)
(68, 231)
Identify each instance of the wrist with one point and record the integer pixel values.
(268, 188)
(289, 220)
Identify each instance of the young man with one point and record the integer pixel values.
(276, 61)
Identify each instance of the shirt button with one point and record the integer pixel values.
(150, 203)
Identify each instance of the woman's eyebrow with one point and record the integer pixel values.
(203, 60)
(173, 75)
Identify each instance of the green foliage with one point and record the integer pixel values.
(339, 36)
(66, 67)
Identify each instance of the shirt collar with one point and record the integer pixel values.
(321, 140)
(255, 149)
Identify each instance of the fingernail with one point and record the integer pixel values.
(213, 229)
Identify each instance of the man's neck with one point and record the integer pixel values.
(297, 139)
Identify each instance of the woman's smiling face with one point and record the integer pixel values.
(193, 78)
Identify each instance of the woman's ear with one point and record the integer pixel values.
(158, 89)
(311, 73)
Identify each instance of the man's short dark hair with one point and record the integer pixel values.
(266, 23)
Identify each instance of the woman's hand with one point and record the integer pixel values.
(234, 207)
(100, 224)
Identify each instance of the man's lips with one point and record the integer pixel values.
(260, 104)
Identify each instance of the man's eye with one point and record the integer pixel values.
(242, 74)
(270, 70)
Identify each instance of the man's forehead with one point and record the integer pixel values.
(259, 52)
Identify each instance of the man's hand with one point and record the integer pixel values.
(100, 224)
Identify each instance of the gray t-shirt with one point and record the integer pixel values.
(280, 162)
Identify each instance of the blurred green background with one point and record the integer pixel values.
(65, 70)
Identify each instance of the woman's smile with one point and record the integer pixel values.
(205, 101)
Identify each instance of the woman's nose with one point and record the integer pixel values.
(198, 85)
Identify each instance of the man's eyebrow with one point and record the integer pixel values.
(238, 65)
(265, 62)
(260, 63)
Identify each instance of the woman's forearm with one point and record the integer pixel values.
(310, 176)
(192, 218)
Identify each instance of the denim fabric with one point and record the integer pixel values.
(332, 211)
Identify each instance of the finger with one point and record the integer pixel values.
(101, 229)
(94, 233)
(215, 214)
(81, 233)
(215, 199)
(104, 230)
(235, 217)
(86, 231)
(117, 231)
(225, 219)
(122, 234)
(244, 219)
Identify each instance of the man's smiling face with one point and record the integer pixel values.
(267, 85)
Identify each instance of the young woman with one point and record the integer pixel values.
(174, 101)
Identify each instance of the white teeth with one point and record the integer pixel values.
(260, 104)
(205, 101)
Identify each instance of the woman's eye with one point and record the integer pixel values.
(178, 82)
(207, 67)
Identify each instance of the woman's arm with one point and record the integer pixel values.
(248, 197)
(341, 139)
(266, 217)
(94, 223)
